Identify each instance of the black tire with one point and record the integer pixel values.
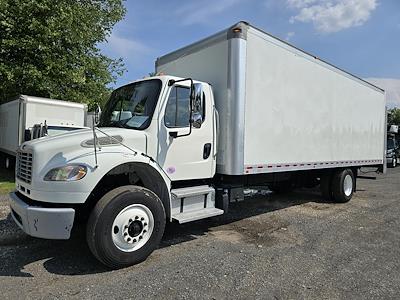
(100, 225)
(393, 164)
(282, 187)
(339, 192)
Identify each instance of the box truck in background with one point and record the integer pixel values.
(28, 117)
(393, 146)
(238, 109)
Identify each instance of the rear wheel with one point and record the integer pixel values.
(125, 226)
(343, 185)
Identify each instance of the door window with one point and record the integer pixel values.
(177, 113)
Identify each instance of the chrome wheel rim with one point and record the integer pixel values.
(348, 185)
(132, 227)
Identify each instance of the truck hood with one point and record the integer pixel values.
(70, 146)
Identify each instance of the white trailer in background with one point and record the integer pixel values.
(19, 117)
(238, 109)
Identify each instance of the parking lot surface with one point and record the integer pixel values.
(269, 246)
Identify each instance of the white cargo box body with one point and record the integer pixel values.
(18, 115)
(280, 108)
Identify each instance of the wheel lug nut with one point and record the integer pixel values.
(145, 224)
(134, 240)
(144, 231)
(129, 239)
(140, 237)
(141, 219)
(125, 234)
(136, 217)
(130, 220)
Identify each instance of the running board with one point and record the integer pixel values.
(197, 215)
(193, 203)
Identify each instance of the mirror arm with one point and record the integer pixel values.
(171, 82)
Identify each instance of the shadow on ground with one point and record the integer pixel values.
(73, 257)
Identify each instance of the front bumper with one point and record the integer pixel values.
(42, 222)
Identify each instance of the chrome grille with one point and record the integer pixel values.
(24, 166)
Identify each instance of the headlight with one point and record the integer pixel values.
(66, 173)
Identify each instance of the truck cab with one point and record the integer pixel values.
(154, 135)
(393, 150)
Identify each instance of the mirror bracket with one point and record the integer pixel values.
(173, 134)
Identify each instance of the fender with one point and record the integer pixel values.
(137, 167)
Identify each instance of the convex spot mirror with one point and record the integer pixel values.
(97, 113)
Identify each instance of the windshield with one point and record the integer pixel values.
(390, 144)
(132, 106)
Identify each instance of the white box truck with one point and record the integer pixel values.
(237, 109)
(18, 118)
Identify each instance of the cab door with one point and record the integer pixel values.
(185, 151)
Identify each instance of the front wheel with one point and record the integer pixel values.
(125, 226)
(394, 163)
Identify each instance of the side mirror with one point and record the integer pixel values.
(197, 101)
(97, 113)
(192, 92)
(196, 94)
(197, 120)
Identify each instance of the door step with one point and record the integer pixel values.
(197, 215)
(192, 191)
(193, 203)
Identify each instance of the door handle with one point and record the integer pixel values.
(206, 150)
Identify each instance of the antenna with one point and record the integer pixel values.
(95, 143)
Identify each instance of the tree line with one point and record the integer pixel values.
(394, 116)
(49, 48)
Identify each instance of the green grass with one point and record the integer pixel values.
(7, 181)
